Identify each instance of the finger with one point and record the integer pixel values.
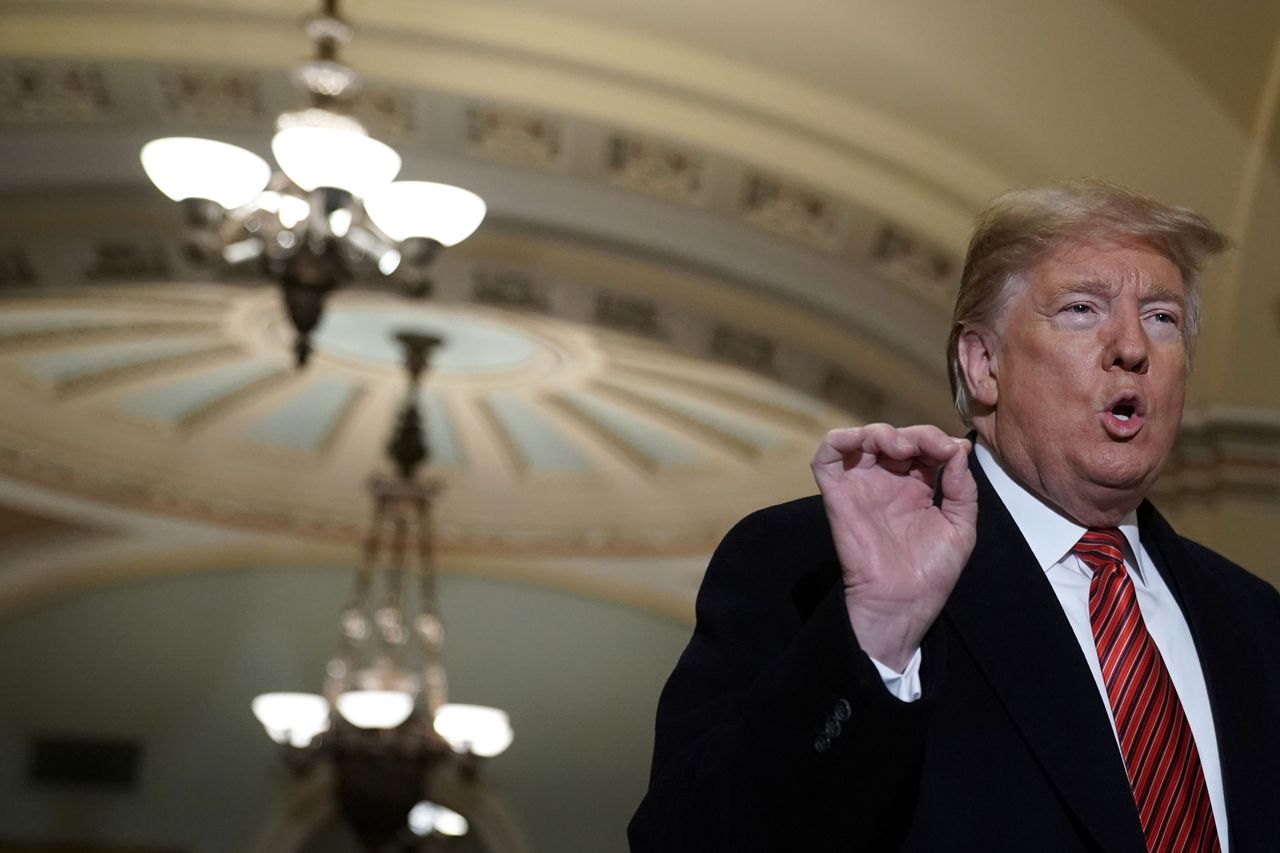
(837, 444)
(921, 445)
(888, 441)
(959, 489)
(937, 445)
(924, 444)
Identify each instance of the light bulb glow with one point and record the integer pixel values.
(330, 157)
(242, 250)
(289, 209)
(340, 222)
(389, 262)
(482, 731)
(422, 818)
(185, 167)
(293, 718)
(449, 822)
(427, 817)
(439, 212)
(375, 709)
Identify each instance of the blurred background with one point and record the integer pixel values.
(715, 229)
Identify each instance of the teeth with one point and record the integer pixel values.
(1120, 417)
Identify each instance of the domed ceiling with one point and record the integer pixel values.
(546, 435)
(714, 231)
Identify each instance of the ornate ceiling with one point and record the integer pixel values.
(715, 230)
(704, 243)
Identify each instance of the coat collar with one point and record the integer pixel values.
(1033, 663)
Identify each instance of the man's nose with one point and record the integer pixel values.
(1128, 344)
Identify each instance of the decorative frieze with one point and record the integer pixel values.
(34, 92)
(909, 261)
(515, 136)
(211, 96)
(745, 349)
(791, 210)
(656, 169)
(53, 92)
(385, 114)
(850, 394)
(509, 289)
(629, 314)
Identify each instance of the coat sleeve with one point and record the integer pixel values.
(775, 731)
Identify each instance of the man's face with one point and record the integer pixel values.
(1089, 377)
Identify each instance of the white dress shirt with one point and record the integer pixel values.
(1052, 537)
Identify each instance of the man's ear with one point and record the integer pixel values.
(978, 363)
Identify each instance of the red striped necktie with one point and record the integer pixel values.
(1159, 751)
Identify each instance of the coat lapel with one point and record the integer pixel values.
(1224, 650)
(1007, 616)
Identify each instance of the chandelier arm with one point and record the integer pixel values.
(356, 612)
(430, 628)
(379, 651)
(392, 625)
(363, 580)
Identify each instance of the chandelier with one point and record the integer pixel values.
(333, 211)
(384, 722)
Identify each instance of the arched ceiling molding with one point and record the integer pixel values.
(774, 59)
(573, 68)
(956, 110)
(682, 263)
(826, 116)
(664, 586)
(1045, 76)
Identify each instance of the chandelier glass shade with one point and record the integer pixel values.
(440, 212)
(292, 718)
(474, 728)
(375, 709)
(184, 167)
(332, 212)
(341, 158)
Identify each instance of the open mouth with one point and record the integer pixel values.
(1124, 417)
(1123, 411)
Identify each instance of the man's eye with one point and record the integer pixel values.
(1165, 317)
(1079, 308)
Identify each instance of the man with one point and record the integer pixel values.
(993, 643)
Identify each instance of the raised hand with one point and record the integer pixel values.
(900, 554)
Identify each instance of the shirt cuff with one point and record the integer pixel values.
(904, 685)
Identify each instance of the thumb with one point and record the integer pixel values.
(959, 489)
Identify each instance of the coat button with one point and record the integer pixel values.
(843, 711)
(831, 729)
(821, 743)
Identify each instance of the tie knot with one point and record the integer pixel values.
(1101, 548)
